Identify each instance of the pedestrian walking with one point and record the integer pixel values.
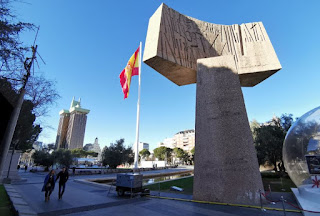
(48, 185)
(73, 170)
(64, 176)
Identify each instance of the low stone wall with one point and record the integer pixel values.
(95, 171)
(108, 171)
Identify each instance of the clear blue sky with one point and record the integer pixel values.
(86, 44)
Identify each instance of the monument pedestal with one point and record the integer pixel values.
(226, 166)
(13, 173)
(308, 198)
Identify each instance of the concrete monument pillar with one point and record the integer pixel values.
(13, 173)
(226, 165)
(220, 59)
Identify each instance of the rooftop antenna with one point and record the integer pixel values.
(34, 42)
(38, 28)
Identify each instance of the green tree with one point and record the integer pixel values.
(181, 154)
(63, 157)
(254, 124)
(160, 153)
(92, 154)
(269, 138)
(193, 150)
(163, 153)
(286, 121)
(269, 142)
(78, 153)
(117, 154)
(42, 158)
(144, 153)
(26, 131)
(51, 146)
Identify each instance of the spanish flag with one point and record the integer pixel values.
(130, 70)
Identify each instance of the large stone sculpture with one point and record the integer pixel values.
(220, 59)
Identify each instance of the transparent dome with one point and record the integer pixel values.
(301, 149)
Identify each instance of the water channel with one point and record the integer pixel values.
(164, 178)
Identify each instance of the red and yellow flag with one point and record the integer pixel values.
(130, 70)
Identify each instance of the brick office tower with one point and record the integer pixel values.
(72, 126)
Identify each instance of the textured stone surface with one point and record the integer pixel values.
(226, 167)
(13, 173)
(174, 43)
(18, 202)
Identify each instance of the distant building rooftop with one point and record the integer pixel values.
(186, 131)
(75, 107)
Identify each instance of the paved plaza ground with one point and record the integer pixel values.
(82, 199)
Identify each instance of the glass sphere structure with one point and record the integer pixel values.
(301, 149)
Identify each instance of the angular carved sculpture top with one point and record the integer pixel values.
(175, 42)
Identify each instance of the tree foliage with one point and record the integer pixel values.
(163, 153)
(43, 94)
(117, 154)
(193, 150)
(63, 157)
(78, 153)
(181, 154)
(83, 153)
(144, 153)
(26, 131)
(269, 138)
(51, 146)
(43, 158)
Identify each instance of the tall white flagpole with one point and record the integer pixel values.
(136, 154)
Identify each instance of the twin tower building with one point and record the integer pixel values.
(72, 126)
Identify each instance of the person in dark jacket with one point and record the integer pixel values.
(64, 176)
(48, 185)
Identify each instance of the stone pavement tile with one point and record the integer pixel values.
(27, 214)
(76, 195)
(18, 201)
(14, 194)
(155, 208)
(26, 210)
(78, 210)
(9, 188)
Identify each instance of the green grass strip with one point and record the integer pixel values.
(5, 204)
